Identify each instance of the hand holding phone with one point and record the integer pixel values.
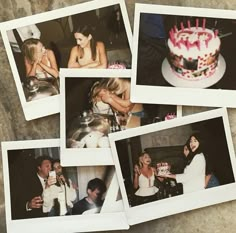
(51, 178)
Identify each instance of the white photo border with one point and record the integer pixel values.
(87, 156)
(36, 109)
(111, 217)
(181, 203)
(177, 95)
(84, 156)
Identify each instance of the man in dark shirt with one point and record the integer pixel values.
(95, 190)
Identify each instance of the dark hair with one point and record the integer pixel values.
(97, 183)
(197, 151)
(87, 30)
(39, 160)
(64, 173)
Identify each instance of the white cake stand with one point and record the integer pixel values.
(176, 81)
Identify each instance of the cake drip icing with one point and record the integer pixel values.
(193, 51)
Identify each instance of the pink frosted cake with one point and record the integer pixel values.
(193, 51)
(163, 169)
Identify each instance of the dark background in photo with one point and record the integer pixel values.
(77, 101)
(58, 35)
(22, 172)
(153, 49)
(167, 146)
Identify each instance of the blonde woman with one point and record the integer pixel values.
(39, 61)
(113, 94)
(144, 178)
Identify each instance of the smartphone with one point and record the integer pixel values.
(52, 174)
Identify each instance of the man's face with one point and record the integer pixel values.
(45, 168)
(94, 195)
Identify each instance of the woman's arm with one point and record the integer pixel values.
(30, 68)
(195, 168)
(136, 176)
(72, 63)
(126, 103)
(53, 70)
(207, 178)
(116, 106)
(71, 194)
(120, 104)
(102, 63)
(102, 56)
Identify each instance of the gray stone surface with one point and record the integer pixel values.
(217, 218)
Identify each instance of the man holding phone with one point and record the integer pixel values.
(36, 185)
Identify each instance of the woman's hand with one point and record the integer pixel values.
(171, 176)
(106, 96)
(61, 179)
(136, 169)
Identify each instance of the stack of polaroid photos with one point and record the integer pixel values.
(126, 154)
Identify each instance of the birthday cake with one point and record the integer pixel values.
(193, 51)
(163, 169)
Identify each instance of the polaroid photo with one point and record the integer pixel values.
(94, 104)
(38, 46)
(72, 197)
(184, 56)
(175, 166)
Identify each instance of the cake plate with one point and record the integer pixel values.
(176, 81)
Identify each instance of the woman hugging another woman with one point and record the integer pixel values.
(113, 95)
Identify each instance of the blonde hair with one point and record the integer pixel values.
(110, 84)
(29, 48)
(140, 158)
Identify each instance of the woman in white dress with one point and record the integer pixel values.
(144, 178)
(193, 178)
(58, 198)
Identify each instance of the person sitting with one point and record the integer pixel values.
(88, 53)
(144, 178)
(58, 197)
(95, 190)
(39, 61)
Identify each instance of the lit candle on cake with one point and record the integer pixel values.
(204, 24)
(197, 22)
(182, 26)
(175, 29)
(188, 22)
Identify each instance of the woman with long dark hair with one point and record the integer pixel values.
(193, 178)
(88, 53)
(59, 197)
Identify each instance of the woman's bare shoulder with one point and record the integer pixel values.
(49, 52)
(75, 49)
